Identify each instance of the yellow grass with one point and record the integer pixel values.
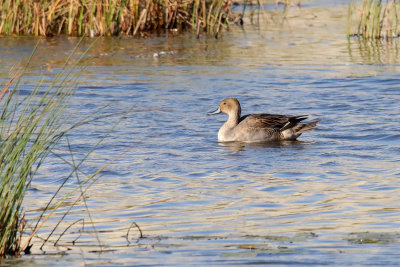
(110, 17)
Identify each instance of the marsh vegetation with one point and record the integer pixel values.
(112, 17)
(31, 126)
(374, 19)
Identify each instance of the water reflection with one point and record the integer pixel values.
(241, 146)
(384, 51)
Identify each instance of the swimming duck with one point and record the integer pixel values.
(259, 127)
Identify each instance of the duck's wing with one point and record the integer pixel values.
(276, 121)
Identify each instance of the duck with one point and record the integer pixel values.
(259, 127)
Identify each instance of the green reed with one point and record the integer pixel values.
(29, 129)
(374, 19)
(111, 17)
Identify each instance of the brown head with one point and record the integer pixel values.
(228, 106)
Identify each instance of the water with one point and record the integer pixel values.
(331, 198)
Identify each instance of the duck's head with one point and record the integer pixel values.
(228, 106)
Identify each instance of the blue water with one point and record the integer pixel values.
(330, 198)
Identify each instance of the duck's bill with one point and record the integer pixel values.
(215, 112)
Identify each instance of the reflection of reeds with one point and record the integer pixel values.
(373, 19)
(375, 50)
(110, 17)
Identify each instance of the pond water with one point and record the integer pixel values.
(331, 198)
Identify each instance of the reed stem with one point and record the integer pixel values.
(374, 19)
(110, 17)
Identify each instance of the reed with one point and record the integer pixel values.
(30, 127)
(111, 17)
(374, 19)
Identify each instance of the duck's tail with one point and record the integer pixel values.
(305, 127)
(295, 131)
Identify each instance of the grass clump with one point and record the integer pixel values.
(111, 17)
(30, 127)
(374, 19)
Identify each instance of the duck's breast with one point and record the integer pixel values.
(226, 134)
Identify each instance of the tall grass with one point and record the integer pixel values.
(373, 19)
(111, 17)
(30, 127)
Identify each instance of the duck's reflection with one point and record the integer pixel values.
(241, 146)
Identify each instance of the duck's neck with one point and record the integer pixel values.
(227, 133)
(233, 119)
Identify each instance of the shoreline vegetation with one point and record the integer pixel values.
(369, 19)
(115, 17)
(30, 127)
(374, 19)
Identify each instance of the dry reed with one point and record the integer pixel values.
(373, 19)
(111, 17)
